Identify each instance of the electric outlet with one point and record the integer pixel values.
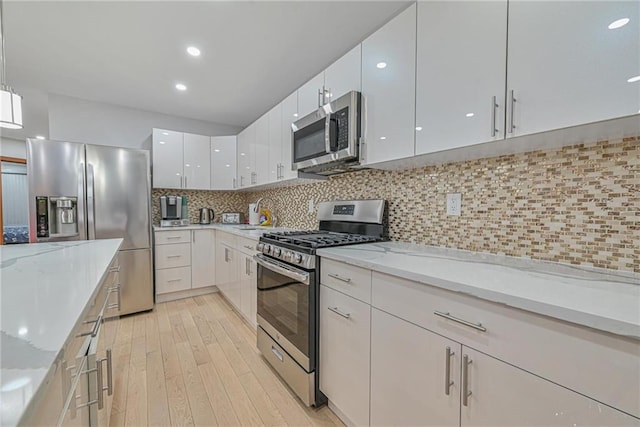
(311, 207)
(454, 204)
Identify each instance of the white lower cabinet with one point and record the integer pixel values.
(500, 394)
(184, 263)
(428, 370)
(236, 274)
(408, 371)
(345, 325)
(202, 254)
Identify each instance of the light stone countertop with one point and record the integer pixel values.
(243, 230)
(44, 288)
(597, 298)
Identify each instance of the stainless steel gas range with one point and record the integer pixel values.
(288, 288)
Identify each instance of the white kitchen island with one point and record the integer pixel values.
(45, 290)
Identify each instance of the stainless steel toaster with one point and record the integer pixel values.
(232, 218)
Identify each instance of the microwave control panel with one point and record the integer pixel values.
(341, 119)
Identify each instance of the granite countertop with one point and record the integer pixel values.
(597, 298)
(243, 230)
(44, 290)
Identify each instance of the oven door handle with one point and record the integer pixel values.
(292, 274)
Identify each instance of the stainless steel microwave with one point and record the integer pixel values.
(329, 137)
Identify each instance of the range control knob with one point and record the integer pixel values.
(277, 252)
(287, 255)
(267, 249)
(259, 247)
(297, 258)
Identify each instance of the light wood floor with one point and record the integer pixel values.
(195, 362)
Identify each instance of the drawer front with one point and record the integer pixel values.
(172, 236)
(351, 280)
(345, 347)
(171, 256)
(246, 246)
(173, 280)
(599, 365)
(226, 238)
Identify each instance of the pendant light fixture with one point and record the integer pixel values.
(10, 102)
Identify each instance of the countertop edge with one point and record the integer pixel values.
(43, 387)
(593, 321)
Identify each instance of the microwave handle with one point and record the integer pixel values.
(327, 134)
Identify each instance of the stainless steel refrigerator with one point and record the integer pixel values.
(86, 192)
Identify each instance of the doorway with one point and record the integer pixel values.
(14, 201)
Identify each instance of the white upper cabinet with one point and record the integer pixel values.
(167, 159)
(309, 95)
(275, 143)
(461, 62)
(223, 162)
(388, 87)
(261, 151)
(246, 143)
(567, 67)
(197, 158)
(289, 115)
(343, 75)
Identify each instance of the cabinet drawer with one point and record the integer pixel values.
(172, 236)
(602, 366)
(226, 238)
(246, 246)
(345, 346)
(353, 281)
(171, 256)
(173, 279)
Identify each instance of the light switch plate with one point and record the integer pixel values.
(454, 204)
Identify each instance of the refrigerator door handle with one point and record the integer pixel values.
(91, 202)
(82, 202)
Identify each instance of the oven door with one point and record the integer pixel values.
(283, 307)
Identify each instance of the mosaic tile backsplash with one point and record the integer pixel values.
(219, 201)
(579, 204)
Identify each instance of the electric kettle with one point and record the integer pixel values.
(206, 216)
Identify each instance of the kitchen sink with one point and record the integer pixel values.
(248, 227)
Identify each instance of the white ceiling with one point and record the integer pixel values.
(254, 53)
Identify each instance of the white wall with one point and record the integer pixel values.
(13, 148)
(78, 120)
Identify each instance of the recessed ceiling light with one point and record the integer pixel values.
(187, 165)
(383, 137)
(165, 133)
(634, 79)
(228, 165)
(193, 51)
(181, 86)
(162, 142)
(23, 331)
(242, 154)
(381, 65)
(470, 114)
(618, 23)
(295, 114)
(178, 174)
(39, 137)
(418, 128)
(217, 150)
(248, 167)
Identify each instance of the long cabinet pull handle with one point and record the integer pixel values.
(174, 280)
(465, 380)
(94, 330)
(446, 315)
(114, 269)
(494, 107)
(512, 100)
(109, 373)
(233, 184)
(100, 384)
(117, 304)
(342, 279)
(447, 371)
(249, 247)
(320, 95)
(340, 313)
(174, 237)
(174, 256)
